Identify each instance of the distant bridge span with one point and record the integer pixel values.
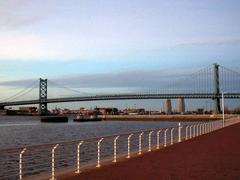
(123, 97)
(209, 89)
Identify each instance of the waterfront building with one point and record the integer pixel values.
(167, 106)
(180, 106)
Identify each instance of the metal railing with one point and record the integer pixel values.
(49, 160)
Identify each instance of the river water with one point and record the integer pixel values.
(17, 131)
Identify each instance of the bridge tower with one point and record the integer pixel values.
(216, 87)
(43, 96)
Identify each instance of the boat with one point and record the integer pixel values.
(86, 118)
(54, 119)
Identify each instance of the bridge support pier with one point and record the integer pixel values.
(43, 97)
(216, 88)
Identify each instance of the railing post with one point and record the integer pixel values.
(179, 132)
(172, 135)
(78, 157)
(200, 129)
(158, 137)
(165, 137)
(140, 143)
(187, 132)
(197, 126)
(190, 132)
(129, 145)
(98, 152)
(149, 140)
(194, 130)
(53, 161)
(115, 149)
(20, 163)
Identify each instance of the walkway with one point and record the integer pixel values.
(210, 156)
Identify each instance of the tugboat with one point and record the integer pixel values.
(86, 118)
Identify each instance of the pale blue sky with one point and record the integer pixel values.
(59, 38)
(55, 38)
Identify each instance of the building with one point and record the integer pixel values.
(180, 106)
(167, 106)
(107, 111)
(134, 111)
(28, 110)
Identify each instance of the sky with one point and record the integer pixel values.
(74, 39)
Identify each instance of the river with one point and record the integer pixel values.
(17, 131)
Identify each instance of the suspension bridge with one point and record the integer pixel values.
(213, 82)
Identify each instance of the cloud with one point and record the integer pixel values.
(18, 13)
(125, 79)
(170, 81)
(210, 42)
(20, 83)
(21, 47)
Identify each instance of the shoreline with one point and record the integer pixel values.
(148, 118)
(161, 117)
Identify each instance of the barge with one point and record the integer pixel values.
(82, 118)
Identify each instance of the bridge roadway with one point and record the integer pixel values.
(123, 97)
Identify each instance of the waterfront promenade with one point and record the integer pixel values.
(214, 155)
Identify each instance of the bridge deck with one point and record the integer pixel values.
(210, 156)
(122, 97)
